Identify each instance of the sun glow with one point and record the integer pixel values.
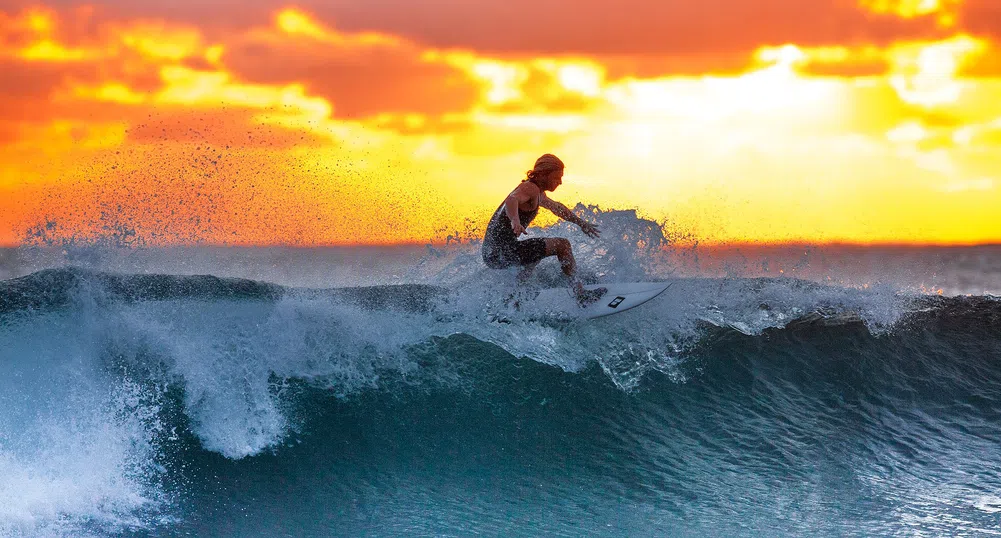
(581, 78)
(925, 74)
(945, 10)
(773, 89)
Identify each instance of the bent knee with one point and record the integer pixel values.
(558, 245)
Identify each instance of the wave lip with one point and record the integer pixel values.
(55, 288)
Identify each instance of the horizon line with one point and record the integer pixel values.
(438, 244)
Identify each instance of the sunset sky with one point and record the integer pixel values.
(356, 121)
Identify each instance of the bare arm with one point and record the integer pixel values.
(560, 210)
(564, 213)
(523, 193)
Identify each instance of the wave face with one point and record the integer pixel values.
(147, 404)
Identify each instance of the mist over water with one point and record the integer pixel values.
(394, 390)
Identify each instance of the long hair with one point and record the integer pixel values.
(543, 165)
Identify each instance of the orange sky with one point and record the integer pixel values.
(371, 122)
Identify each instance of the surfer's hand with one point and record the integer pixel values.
(590, 230)
(517, 228)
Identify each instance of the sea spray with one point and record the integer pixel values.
(405, 395)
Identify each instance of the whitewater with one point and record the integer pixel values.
(387, 391)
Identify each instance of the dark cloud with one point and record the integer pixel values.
(708, 28)
(626, 27)
(981, 17)
(359, 80)
(25, 88)
(364, 80)
(40, 91)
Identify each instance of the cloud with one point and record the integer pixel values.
(24, 88)
(292, 66)
(634, 27)
(307, 124)
(709, 29)
(628, 27)
(360, 74)
(418, 124)
(985, 135)
(979, 184)
(982, 17)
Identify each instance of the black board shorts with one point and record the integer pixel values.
(512, 253)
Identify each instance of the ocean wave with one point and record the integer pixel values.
(108, 379)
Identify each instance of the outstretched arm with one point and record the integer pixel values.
(564, 213)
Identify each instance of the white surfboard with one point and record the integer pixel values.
(619, 298)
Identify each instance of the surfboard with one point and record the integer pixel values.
(619, 298)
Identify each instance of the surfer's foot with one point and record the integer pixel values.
(587, 297)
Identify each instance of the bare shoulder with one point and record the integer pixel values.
(527, 191)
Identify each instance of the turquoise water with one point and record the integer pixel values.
(137, 403)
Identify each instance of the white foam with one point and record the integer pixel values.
(229, 355)
(87, 454)
(654, 336)
(86, 462)
(988, 503)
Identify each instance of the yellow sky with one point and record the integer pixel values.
(284, 129)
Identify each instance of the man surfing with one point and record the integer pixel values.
(501, 247)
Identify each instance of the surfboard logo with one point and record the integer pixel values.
(616, 302)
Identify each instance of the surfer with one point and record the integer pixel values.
(501, 247)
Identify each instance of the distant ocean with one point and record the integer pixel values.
(392, 391)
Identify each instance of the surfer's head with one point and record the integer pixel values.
(547, 172)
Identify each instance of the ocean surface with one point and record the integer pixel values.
(782, 391)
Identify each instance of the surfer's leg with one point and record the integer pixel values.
(564, 252)
(559, 247)
(529, 253)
